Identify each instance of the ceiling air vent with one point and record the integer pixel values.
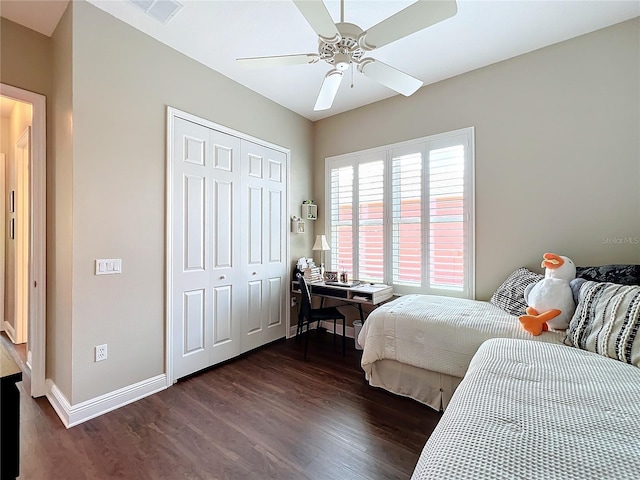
(161, 10)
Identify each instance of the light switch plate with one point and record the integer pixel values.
(108, 266)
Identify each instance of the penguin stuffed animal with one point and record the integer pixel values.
(550, 301)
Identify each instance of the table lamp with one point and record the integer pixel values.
(322, 245)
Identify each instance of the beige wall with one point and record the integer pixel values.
(18, 121)
(26, 62)
(123, 81)
(25, 58)
(4, 135)
(557, 149)
(60, 209)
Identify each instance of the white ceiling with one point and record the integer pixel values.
(216, 32)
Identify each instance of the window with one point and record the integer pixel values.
(403, 214)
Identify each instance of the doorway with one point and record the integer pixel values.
(23, 230)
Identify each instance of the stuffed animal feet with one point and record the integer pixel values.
(535, 323)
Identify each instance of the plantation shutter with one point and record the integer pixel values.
(406, 198)
(341, 199)
(446, 216)
(403, 214)
(371, 221)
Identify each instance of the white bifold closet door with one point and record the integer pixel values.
(229, 228)
(263, 249)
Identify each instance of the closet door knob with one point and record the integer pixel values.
(222, 277)
(255, 273)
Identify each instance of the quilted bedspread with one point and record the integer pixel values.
(538, 411)
(437, 333)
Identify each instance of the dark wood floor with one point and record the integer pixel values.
(268, 414)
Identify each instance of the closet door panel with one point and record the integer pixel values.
(275, 225)
(275, 286)
(228, 309)
(228, 251)
(222, 315)
(254, 303)
(264, 178)
(193, 321)
(204, 223)
(223, 226)
(254, 224)
(194, 228)
(191, 296)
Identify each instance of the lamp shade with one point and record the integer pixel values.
(321, 243)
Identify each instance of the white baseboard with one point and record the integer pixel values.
(349, 332)
(10, 331)
(72, 415)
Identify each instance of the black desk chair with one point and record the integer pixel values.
(307, 315)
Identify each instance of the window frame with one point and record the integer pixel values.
(465, 136)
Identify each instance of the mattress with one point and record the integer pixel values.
(533, 410)
(437, 333)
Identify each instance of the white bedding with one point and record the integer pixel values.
(538, 411)
(437, 333)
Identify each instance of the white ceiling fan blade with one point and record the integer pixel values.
(317, 15)
(390, 77)
(278, 60)
(415, 17)
(328, 90)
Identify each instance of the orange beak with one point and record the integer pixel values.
(551, 260)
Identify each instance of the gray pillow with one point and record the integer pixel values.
(620, 274)
(510, 295)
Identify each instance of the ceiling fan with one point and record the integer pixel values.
(343, 44)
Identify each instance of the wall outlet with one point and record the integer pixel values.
(101, 352)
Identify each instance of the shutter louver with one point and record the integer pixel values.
(446, 217)
(370, 221)
(406, 198)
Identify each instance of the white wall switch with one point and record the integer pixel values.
(108, 266)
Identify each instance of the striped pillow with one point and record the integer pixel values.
(606, 321)
(510, 295)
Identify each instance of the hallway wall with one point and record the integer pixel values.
(13, 128)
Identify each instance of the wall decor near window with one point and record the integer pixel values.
(309, 210)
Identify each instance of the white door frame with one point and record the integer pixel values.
(173, 113)
(38, 266)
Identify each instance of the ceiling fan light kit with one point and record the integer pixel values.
(345, 44)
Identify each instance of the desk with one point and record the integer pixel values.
(363, 294)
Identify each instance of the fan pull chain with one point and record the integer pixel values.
(352, 67)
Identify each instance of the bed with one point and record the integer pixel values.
(534, 410)
(420, 346)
